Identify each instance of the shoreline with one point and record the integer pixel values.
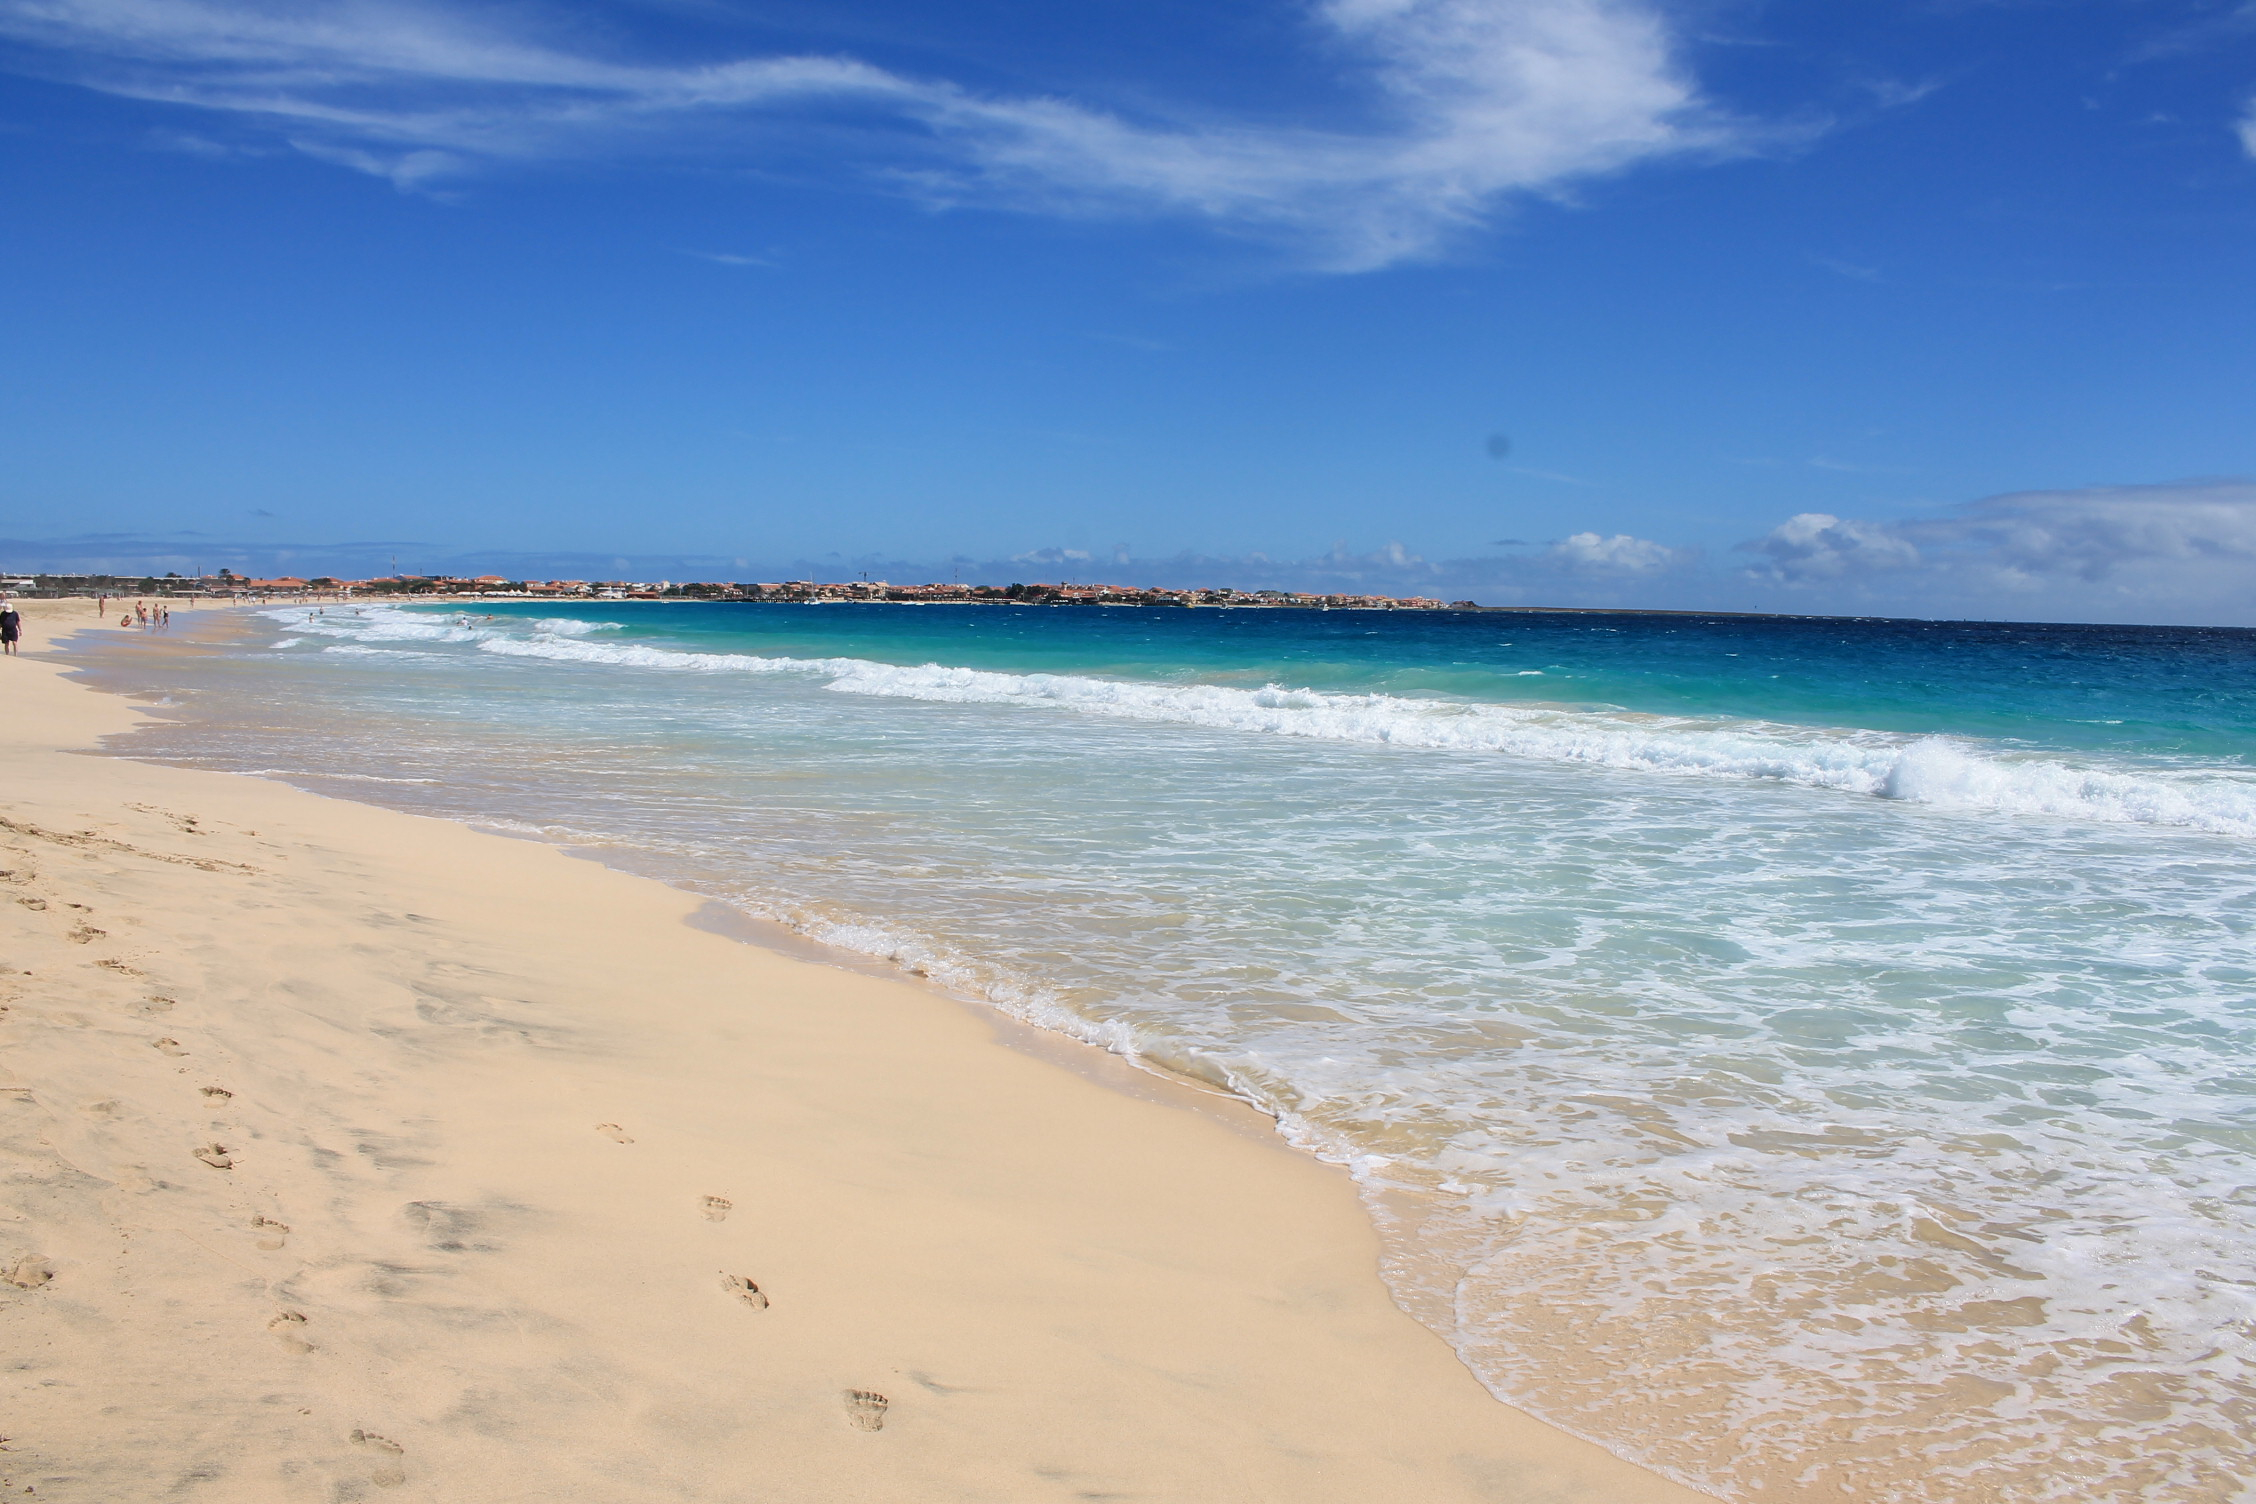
(1084, 1057)
(484, 1101)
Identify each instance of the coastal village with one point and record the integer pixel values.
(229, 586)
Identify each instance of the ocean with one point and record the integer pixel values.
(1813, 1057)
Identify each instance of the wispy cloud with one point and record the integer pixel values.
(189, 144)
(2209, 29)
(1896, 93)
(1469, 104)
(407, 171)
(2206, 29)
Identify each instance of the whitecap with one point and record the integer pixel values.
(1942, 771)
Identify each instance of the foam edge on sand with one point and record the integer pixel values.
(354, 1154)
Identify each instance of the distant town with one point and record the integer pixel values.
(226, 585)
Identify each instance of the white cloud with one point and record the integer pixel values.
(1896, 93)
(2187, 531)
(1588, 553)
(1470, 102)
(404, 170)
(2183, 551)
(1820, 546)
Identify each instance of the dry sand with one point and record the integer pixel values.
(357, 1155)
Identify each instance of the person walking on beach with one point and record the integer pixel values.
(11, 627)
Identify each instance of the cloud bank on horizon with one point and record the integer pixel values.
(2181, 553)
(2184, 551)
(1464, 105)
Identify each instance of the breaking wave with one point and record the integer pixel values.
(1942, 771)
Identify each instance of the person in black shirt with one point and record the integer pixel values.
(11, 627)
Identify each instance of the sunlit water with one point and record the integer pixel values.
(1817, 1059)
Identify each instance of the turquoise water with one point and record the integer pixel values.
(2139, 689)
(1817, 1058)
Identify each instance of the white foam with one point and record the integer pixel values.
(340, 777)
(669, 660)
(1672, 1115)
(1941, 771)
(1949, 772)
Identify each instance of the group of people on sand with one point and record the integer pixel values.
(143, 615)
(147, 617)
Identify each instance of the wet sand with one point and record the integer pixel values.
(356, 1155)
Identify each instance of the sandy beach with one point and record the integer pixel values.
(353, 1155)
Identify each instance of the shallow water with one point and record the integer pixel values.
(1815, 1058)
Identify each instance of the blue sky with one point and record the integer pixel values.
(1940, 308)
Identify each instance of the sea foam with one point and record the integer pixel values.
(1948, 772)
(1714, 1103)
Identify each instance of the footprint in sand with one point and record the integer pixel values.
(717, 1208)
(612, 1132)
(865, 1408)
(167, 1047)
(746, 1291)
(218, 1094)
(83, 934)
(285, 1328)
(216, 1156)
(274, 1234)
(387, 1474)
(29, 1272)
(155, 1004)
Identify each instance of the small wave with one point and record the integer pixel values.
(572, 626)
(317, 773)
(668, 660)
(1939, 771)
(376, 624)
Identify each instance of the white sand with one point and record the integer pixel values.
(355, 1155)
